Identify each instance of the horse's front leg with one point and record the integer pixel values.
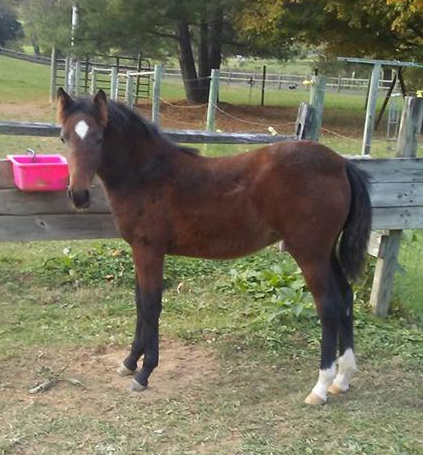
(129, 365)
(149, 272)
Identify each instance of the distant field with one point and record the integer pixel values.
(21, 81)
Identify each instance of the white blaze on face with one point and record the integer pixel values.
(81, 129)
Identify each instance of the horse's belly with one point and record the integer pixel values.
(215, 240)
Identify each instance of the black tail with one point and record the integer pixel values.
(356, 232)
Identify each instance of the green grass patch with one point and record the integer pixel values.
(65, 303)
(22, 81)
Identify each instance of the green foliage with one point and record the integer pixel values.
(382, 28)
(281, 290)
(270, 277)
(10, 27)
(49, 22)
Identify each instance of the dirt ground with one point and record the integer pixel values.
(178, 115)
(182, 367)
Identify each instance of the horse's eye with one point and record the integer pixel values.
(62, 139)
(99, 141)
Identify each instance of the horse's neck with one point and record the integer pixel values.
(126, 161)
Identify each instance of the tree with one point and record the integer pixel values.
(10, 27)
(199, 32)
(390, 29)
(187, 28)
(47, 22)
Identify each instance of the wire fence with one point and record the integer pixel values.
(408, 284)
(281, 81)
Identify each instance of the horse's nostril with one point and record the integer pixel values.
(80, 199)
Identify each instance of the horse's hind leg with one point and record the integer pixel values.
(346, 362)
(321, 282)
(129, 365)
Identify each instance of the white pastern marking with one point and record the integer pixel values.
(81, 129)
(325, 380)
(346, 369)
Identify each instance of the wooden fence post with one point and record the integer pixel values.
(371, 109)
(317, 96)
(303, 122)
(77, 78)
(53, 74)
(411, 122)
(67, 71)
(93, 81)
(263, 85)
(387, 261)
(129, 91)
(386, 266)
(213, 94)
(155, 105)
(114, 83)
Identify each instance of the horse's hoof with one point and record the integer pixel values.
(314, 400)
(335, 390)
(125, 371)
(135, 386)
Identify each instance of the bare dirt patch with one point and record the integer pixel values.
(179, 115)
(183, 369)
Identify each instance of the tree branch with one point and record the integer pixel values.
(163, 34)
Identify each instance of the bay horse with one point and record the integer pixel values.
(169, 200)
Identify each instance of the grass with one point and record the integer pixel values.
(240, 341)
(246, 377)
(21, 81)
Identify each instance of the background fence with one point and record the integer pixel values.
(275, 81)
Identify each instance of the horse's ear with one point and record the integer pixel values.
(63, 102)
(100, 100)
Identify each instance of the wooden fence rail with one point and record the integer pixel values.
(396, 196)
(181, 136)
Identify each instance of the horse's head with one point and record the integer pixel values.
(83, 125)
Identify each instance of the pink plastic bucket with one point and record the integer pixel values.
(40, 172)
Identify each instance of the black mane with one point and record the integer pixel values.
(124, 120)
(127, 121)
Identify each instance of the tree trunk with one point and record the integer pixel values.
(203, 61)
(34, 42)
(215, 39)
(187, 64)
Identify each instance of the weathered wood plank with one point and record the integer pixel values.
(21, 204)
(385, 269)
(56, 227)
(373, 248)
(397, 218)
(317, 96)
(183, 136)
(29, 129)
(392, 170)
(411, 122)
(396, 194)
(15, 202)
(6, 174)
(383, 196)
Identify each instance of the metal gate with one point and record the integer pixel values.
(106, 62)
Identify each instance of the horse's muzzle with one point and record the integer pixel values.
(80, 199)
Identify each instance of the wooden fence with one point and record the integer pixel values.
(396, 196)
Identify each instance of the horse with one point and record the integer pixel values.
(169, 200)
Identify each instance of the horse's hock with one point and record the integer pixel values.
(396, 196)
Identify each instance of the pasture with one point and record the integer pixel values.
(240, 344)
